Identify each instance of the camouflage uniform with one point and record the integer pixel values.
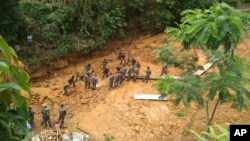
(94, 82)
(147, 76)
(164, 69)
(31, 117)
(136, 73)
(104, 64)
(87, 67)
(111, 81)
(133, 62)
(46, 116)
(78, 75)
(138, 65)
(62, 113)
(87, 81)
(105, 73)
(130, 71)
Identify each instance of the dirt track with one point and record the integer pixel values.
(115, 112)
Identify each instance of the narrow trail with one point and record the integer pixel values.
(116, 112)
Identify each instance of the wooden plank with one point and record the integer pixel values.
(147, 97)
(206, 67)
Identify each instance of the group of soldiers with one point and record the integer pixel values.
(46, 121)
(128, 68)
(89, 78)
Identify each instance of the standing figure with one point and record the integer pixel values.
(130, 71)
(147, 76)
(94, 82)
(164, 69)
(129, 57)
(104, 64)
(136, 73)
(105, 73)
(45, 116)
(87, 68)
(111, 80)
(62, 113)
(138, 66)
(31, 117)
(87, 81)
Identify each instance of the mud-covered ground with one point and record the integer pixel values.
(116, 112)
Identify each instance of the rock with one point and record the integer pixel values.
(137, 128)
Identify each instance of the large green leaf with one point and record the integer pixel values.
(5, 49)
(4, 86)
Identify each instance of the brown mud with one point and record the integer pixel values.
(115, 112)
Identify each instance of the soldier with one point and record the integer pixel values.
(87, 67)
(87, 81)
(105, 73)
(72, 81)
(138, 65)
(133, 61)
(119, 76)
(104, 64)
(78, 75)
(31, 117)
(94, 82)
(130, 71)
(111, 80)
(68, 84)
(147, 76)
(136, 73)
(116, 81)
(45, 115)
(164, 69)
(62, 113)
(129, 57)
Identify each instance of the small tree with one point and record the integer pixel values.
(219, 30)
(13, 104)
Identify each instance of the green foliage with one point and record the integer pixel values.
(181, 113)
(108, 137)
(222, 135)
(211, 28)
(11, 19)
(221, 25)
(13, 105)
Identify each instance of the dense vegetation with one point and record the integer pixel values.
(217, 31)
(85, 25)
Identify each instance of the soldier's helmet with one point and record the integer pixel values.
(44, 105)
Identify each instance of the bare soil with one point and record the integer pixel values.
(116, 112)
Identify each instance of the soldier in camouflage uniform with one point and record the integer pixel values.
(70, 82)
(87, 68)
(79, 75)
(94, 82)
(111, 81)
(87, 81)
(136, 73)
(104, 64)
(129, 57)
(147, 76)
(45, 116)
(105, 73)
(133, 61)
(164, 69)
(138, 66)
(62, 113)
(130, 71)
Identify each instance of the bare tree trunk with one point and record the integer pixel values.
(212, 116)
